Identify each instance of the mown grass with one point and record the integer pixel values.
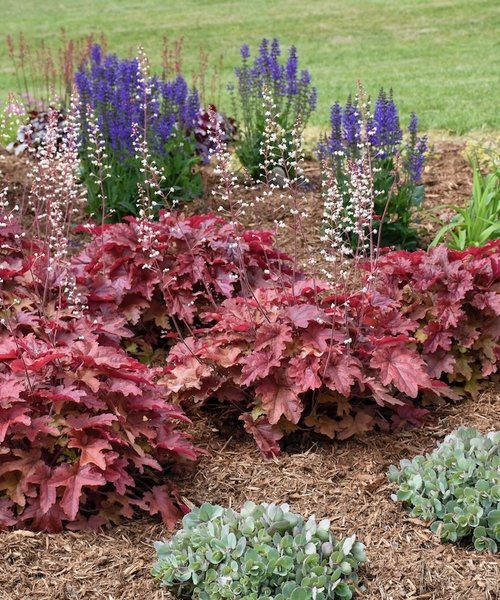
(441, 57)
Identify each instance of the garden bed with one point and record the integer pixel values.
(345, 482)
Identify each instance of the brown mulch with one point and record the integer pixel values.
(344, 481)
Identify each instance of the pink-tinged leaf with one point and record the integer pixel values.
(159, 500)
(88, 377)
(381, 394)
(11, 416)
(257, 366)
(62, 394)
(437, 337)
(27, 462)
(458, 282)
(41, 426)
(266, 435)
(302, 314)
(409, 414)
(176, 442)
(342, 372)
(439, 363)
(91, 449)
(226, 356)
(449, 313)
(304, 373)
(117, 474)
(389, 340)
(8, 348)
(141, 462)
(50, 522)
(37, 364)
(279, 398)
(401, 367)
(273, 337)
(317, 338)
(111, 358)
(79, 422)
(6, 513)
(489, 300)
(188, 375)
(11, 387)
(126, 388)
(74, 478)
(47, 495)
(133, 308)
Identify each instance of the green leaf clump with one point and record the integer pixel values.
(456, 487)
(264, 551)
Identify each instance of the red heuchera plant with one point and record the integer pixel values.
(174, 268)
(454, 296)
(343, 365)
(83, 426)
(299, 364)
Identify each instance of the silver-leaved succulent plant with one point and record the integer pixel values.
(265, 551)
(456, 487)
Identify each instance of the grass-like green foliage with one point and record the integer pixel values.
(479, 221)
(457, 487)
(265, 551)
(441, 57)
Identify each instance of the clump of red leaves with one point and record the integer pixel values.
(184, 266)
(342, 365)
(454, 297)
(84, 427)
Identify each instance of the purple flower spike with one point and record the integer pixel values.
(351, 124)
(335, 140)
(412, 127)
(116, 91)
(95, 54)
(245, 52)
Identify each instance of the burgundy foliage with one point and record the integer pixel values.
(86, 434)
(188, 265)
(288, 359)
(454, 296)
(204, 130)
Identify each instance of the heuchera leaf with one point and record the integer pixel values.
(81, 422)
(159, 500)
(73, 479)
(279, 398)
(401, 367)
(266, 435)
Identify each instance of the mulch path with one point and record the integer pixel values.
(344, 481)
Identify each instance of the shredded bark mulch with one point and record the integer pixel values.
(343, 481)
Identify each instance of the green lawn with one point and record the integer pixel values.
(441, 57)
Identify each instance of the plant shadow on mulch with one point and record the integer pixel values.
(343, 481)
